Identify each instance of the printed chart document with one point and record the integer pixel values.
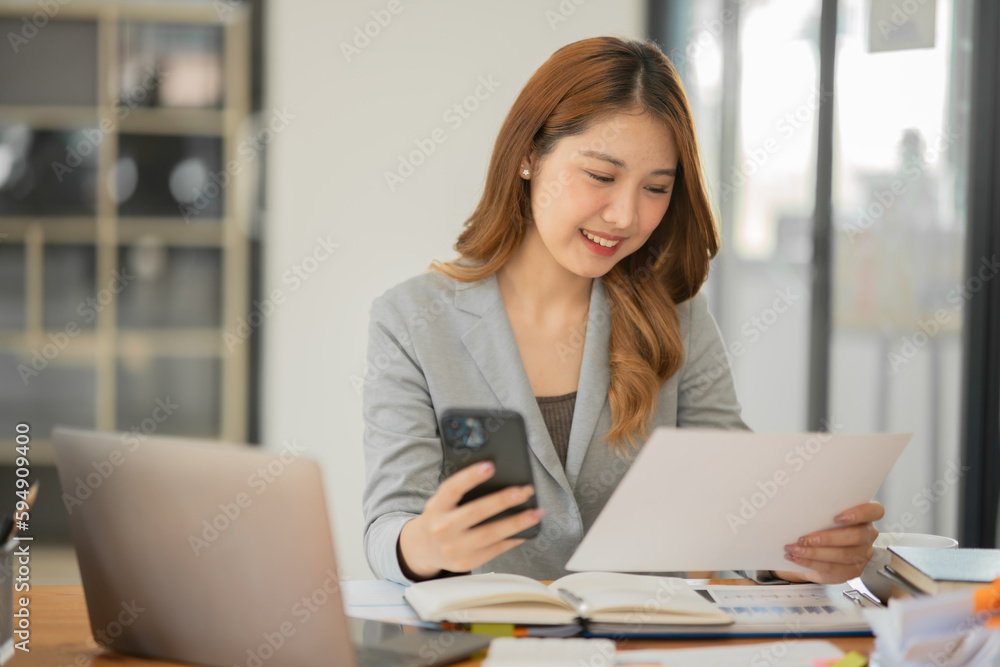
(729, 500)
(798, 610)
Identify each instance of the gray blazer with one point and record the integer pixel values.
(435, 343)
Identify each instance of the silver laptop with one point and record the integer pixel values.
(218, 554)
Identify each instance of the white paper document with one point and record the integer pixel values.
(776, 654)
(379, 600)
(727, 500)
(549, 652)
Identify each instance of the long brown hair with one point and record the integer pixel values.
(580, 84)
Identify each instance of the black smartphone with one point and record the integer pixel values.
(470, 435)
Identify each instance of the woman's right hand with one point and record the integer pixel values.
(446, 535)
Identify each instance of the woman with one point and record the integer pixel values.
(576, 303)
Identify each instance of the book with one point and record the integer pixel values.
(941, 570)
(604, 597)
(900, 588)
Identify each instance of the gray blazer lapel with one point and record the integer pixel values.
(595, 377)
(490, 342)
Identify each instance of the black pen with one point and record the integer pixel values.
(578, 604)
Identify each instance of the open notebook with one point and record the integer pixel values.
(595, 596)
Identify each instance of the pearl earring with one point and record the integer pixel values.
(525, 173)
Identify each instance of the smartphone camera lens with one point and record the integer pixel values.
(464, 432)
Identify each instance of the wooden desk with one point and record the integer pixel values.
(60, 635)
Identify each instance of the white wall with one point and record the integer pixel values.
(325, 177)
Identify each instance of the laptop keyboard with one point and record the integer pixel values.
(370, 656)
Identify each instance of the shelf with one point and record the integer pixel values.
(40, 454)
(79, 350)
(155, 148)
(139, 343)
(177, 343)
(50, 117)
(55, 229)
(177, 11)
(120, 117)
(208, 232)
(172, 231)
(171, 120)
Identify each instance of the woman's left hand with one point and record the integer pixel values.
(838, 554)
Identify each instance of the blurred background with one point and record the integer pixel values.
(199, 201)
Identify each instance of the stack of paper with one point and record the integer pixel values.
(510, 652)
(950, 630)
(378, 600)
(771, 654)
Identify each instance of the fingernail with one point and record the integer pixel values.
(809, 541)
(527, 490)
(793, 549)
(486, 467)
(845, 518)
(537, 513)
(790, 557)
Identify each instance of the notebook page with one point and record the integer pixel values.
(432, 597)
(610, 590)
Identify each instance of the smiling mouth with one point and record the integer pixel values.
(607, 243)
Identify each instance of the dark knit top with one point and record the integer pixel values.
(557, 411)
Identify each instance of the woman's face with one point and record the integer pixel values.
(598, 196)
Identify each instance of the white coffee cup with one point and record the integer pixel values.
(886, 540)
(875, 582)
